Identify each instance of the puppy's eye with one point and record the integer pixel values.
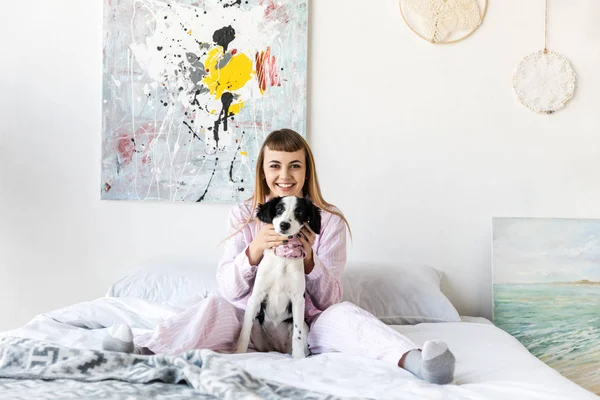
(279, 209)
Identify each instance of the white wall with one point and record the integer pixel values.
(419, 145)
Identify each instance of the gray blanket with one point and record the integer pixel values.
(32, 369)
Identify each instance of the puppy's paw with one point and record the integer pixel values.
(298, 354)
(299, 351)
(240, 349)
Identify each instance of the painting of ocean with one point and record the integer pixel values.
(547, 291)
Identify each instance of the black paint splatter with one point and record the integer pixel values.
(192, 131)
(209, 182)
(198, 92)
(224, 36)
(226, 99)
(236, 2)
(233, 161)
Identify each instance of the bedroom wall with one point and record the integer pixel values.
(419, 145)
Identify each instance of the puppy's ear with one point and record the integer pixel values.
(314, 217)
(266, 212)
(262, 214)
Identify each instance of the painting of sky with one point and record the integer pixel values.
(540, 250)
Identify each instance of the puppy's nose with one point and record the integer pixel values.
(284, 226)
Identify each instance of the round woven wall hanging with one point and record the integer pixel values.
(544, 81)
(443, 21)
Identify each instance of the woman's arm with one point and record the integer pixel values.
(235, 273)
(323, 283)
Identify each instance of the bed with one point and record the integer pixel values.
(58, 354)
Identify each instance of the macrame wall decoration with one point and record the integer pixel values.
(544, 81)
(443, 21)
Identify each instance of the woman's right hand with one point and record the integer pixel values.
(266, 238)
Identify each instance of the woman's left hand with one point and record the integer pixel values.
(307, 237)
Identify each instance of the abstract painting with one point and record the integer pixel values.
(546, 276)
(191, 89)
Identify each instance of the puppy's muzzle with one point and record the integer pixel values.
(284, 226)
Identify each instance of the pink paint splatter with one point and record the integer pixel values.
(125, 148)
(275, 12)
(126, 145)
(266, 69)
(148, 132)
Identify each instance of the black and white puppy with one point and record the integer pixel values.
(274, 315)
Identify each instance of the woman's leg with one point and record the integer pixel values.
(213, 323)
(347, 328)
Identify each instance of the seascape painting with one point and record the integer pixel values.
(191, 89)
(546, 275)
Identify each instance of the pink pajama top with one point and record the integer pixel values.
(235, 274)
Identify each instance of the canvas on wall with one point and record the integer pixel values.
(546, 276)
(191, 89)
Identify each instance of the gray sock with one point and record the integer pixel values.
(435, 364)
(120, 338)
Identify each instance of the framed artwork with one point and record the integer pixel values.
(191, 89)
(546, 275)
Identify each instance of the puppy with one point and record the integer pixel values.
(274, 315)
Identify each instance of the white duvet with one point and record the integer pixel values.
(490, 363)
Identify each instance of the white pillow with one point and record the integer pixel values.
(177, 283)
(398, 294)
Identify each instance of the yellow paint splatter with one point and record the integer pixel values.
(243, 153)
(189, 32)
(231, 77)
(235, 108)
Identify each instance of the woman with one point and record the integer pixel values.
(286, 167)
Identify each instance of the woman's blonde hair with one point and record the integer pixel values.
(290, 141)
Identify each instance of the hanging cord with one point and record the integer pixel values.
(546, 29)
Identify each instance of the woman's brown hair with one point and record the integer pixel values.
(290, 141)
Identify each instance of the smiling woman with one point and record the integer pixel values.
(288, 150)
(285, 172)
(286, 167)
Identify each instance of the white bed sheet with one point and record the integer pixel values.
(490, 363)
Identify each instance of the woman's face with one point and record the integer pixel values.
(285, 172)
